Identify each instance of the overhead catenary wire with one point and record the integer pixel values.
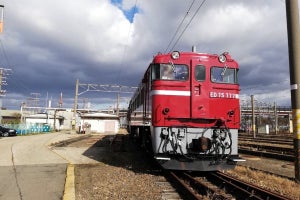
(15, 81)
(125, 46)
(8, 63)
(185, 28)
(179, 26)
(124, 56)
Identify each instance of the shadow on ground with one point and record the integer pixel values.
(126, 153)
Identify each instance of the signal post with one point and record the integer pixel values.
(292, 16)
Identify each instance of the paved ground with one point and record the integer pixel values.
(29, 170)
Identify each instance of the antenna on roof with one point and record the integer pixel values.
(194, 49)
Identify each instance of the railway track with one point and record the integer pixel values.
(271, 135)
(192, 188)
(217, 185)
(241, 189)
(270, 140)
(266, 146)
(262, 153)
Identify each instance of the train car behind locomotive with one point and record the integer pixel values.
(186, 110)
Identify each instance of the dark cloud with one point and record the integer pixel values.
(51, 44)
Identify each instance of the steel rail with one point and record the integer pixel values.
(196, 188)
(206, 187)
(282, 141)
(278, 156)
(184, 188)
(243, 190)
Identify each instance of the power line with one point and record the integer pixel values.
(128, 36)
(188, 24)
(4, 71)
(179, 26)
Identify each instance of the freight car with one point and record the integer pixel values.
(186, 111)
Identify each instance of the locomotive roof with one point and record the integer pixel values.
(193, 54)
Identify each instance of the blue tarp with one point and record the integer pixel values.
(33, 129)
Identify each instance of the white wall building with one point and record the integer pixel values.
(44, 118)
(99, 122)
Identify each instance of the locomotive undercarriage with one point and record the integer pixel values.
(204, 149)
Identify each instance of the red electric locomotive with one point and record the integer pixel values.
(186, 110)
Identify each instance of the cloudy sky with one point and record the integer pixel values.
(49, 44)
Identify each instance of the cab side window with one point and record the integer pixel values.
(200, 73)
(170, 72)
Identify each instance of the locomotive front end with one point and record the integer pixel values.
(196, 149)
(195, 111)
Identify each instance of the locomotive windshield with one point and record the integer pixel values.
(223, 75)
(169, 71)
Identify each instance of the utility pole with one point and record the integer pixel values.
(292, 17)
(118, 102)
(276, 118)
(1, 72)
(74, 122)
(253, 116)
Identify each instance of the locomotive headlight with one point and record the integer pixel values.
(175, 55)
(222, 58)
